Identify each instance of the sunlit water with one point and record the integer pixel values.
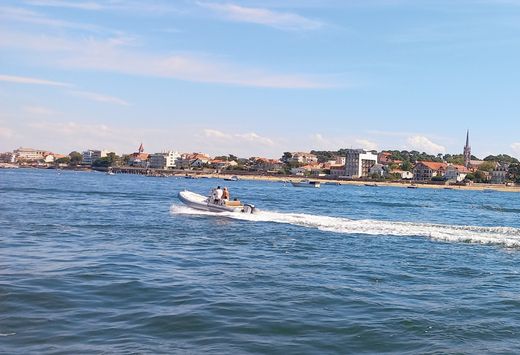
(91, 263)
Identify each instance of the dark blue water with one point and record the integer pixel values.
(91, 263)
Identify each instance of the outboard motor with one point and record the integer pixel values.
(248, 208)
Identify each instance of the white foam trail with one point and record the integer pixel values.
(7, 334)
(506, 236)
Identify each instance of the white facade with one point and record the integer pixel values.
(29, 154)
(303, 158)
(164, 160)
(455, 174)
(499, 174)
(359, 162)
(90, 156)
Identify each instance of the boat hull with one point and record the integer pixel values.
(202, 203)
(306, 184)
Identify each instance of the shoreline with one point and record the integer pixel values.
(474, 187)
(273, 178)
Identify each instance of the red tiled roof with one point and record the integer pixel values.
(433, 165)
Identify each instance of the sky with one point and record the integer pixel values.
(258, 78)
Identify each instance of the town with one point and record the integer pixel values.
(344, 164)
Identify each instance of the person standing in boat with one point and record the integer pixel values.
(217, 197)
(225, 194)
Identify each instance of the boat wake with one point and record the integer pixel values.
(505, 236)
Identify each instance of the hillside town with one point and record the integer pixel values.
(344, 164)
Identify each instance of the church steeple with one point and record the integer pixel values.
(467, 152)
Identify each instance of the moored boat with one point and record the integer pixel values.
(233, 178)
(306, 183)
(203, 203)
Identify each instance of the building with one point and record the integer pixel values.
(499, 174)
(377, 169)
(301, 170)
(7, 157)
(337, 170)
(467, 152)
(303, 158)
(29, 154)
(139, 158)
(426, 170)
(90, 156)
(191, 160)
(402, 174)
(358, 163)
(268, 165)
(456, 173)
(163, 160)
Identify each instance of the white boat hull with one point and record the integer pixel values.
(306, 184)
(203, 203)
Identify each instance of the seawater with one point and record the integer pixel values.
(91, 263)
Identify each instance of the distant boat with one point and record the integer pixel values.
(412, 186)
(190, 177)
(110, 172)
(306, 183)
(372, 185)
(233, 178)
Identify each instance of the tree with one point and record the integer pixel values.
(75, 157)
(514, 172)
(487, 166)
(232, 157)
(406, 166)
(110, 160)
(502, 158)
(64, 160)
(286, 156)
(480, 176)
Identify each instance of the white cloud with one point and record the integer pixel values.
(33, 81)
(114, 54)
(39, 110)
(137, 7)
(516, 148)
(18, 14)
(82, 5)
(423, 144)
(251, 137)
(213, 133)
(255, 138)
(276, 19)
(366, 144)
(100, 97)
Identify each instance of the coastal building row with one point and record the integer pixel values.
(355, 164)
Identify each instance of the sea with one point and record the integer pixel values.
(99, 264)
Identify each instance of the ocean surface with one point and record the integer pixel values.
(98, 264)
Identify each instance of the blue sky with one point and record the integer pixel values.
(260, 77)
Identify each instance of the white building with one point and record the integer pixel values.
(163, 160)
(303, 158)
(404, 175)
(499, 174)
(359, 162)
(90, 156)
(29, 154)
(456, 173)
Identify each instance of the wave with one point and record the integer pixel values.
(505, 236)
(500, 209)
